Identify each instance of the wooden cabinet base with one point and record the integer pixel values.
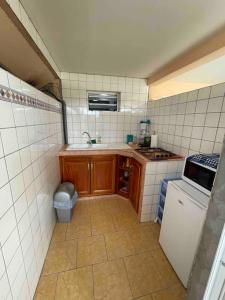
(76, 170)
(135, 187)
(128, 180)
(103, 175)
(91, 175)
(103, 169)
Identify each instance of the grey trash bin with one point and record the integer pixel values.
(64, 200)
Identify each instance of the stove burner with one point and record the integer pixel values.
(157, 154)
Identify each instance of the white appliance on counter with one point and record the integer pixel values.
(183, 219)
(200, 171)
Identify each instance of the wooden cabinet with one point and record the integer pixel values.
(103, 170)
(124, 165)
(128, 182)
(134, 193)
(77, 170)
(92, 175)
(103, 175)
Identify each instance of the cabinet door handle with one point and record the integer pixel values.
(181, 202)
(91, 166)
(88, 166)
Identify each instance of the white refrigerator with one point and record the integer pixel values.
(183, 219)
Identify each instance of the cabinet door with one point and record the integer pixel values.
(103, 173)
(135, 184)
(77, 171)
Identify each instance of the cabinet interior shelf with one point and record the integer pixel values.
(123, 190)
(124, 180)
(125, 169)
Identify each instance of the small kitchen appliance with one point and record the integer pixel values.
(200, 171)
(144, 135)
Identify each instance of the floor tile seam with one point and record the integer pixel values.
(155, 264)
(122, 230)
(68, 256)
(137, 298)
(107, 256)
(126, 271)
(87, 237)
(55, 247)
(139, 253)
(108, 260)
(159, 290)
(93, 281)
(64, 271)
(151, 293)
(125, 256)
(56, 287)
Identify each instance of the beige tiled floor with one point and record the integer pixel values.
(104, 253)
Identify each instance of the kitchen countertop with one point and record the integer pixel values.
(101, 149)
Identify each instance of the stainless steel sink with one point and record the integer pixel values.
(73, 147)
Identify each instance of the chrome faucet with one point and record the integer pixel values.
(89, 137)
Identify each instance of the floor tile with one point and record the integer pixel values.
(176, 292)
(75, 284)
(124, 223)
(61, 256)
(143, 239)
(101, 225)
(142, 274)
(46, 288)
(155, 227)
(147, 297)
(164, 268)
(59, 233)
(78, 229)
(91, 250)
(105, 240)
(81, 210)
(118, 244)
(80, 218)
(110, 281)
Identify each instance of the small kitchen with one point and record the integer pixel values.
(107, 169)
(112, 150)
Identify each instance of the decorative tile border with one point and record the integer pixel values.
(10, 95)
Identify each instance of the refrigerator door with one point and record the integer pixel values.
(181, 230)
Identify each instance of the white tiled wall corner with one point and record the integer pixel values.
(199, 117)
(21, 14)
(155, 172)
(29, 173)
(111, 126)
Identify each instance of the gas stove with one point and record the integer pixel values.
(155, 154)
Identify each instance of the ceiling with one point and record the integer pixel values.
(207, 74)
(122, 37)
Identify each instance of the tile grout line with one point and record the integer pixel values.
(125, 267)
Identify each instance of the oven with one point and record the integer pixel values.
(200, 171)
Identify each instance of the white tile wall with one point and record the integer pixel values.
(29, 173)
(191, 122)
(21, 14)
(155, 172)
(111, 126)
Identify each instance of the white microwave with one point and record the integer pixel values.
(200, 171)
